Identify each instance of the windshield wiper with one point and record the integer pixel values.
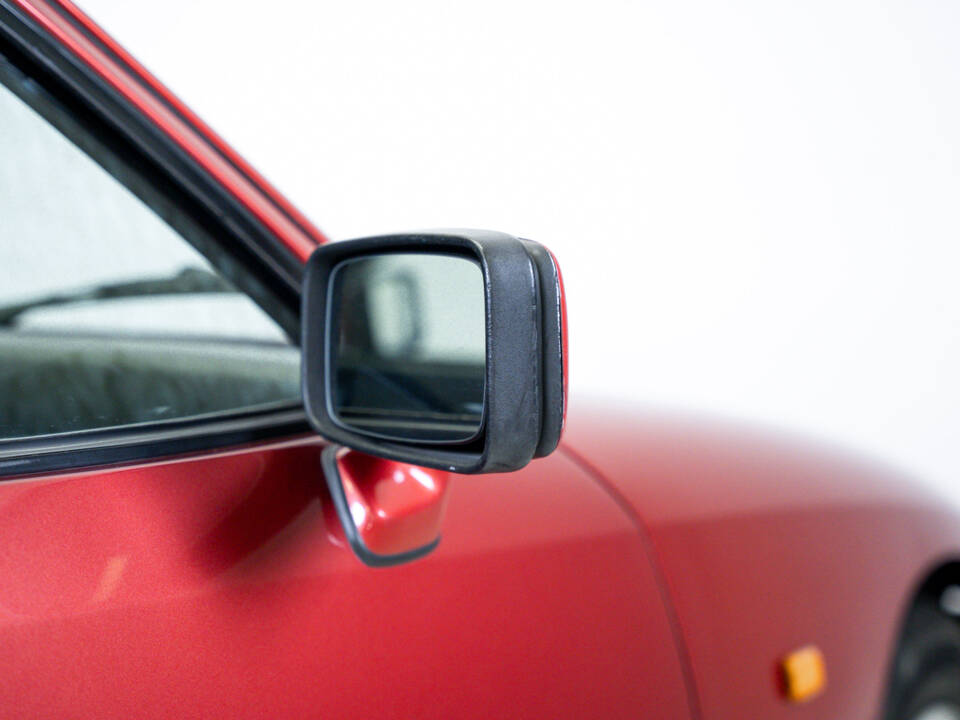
(189, 281)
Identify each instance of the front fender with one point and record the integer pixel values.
(765, 546)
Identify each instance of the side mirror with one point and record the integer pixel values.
(443, 350)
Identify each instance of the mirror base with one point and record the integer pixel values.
(391, 512)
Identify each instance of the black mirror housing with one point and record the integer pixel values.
(524, 372)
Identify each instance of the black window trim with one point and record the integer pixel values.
(130, 147)
(201, 132)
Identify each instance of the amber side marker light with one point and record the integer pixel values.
(804, 674)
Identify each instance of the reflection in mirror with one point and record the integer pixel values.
(408, 346)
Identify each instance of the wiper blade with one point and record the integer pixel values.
(189, 281)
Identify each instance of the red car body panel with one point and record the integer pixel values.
(650, 568)
(216, 586)
(767, 546)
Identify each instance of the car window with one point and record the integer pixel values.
(108, 317)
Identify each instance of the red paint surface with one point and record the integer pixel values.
(213, 587)
(767, 545)
(396, 507)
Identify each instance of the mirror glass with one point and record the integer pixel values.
(408, 346)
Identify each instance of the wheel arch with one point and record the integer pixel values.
(927, 605)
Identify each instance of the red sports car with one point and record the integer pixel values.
(249, 473)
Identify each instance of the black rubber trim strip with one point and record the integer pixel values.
(77, 85)
(107, 50)
(331, 473)
(113, 446)
(551, 330)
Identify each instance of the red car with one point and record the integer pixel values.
(228, 450)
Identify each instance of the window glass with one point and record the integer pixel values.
(107, 316)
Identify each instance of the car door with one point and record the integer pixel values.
(167, 546)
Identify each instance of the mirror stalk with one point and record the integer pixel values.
(391, 512)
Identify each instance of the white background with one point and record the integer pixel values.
(756, 205)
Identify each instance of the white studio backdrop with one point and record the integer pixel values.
(756, 205)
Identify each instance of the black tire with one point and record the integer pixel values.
(926, 672)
